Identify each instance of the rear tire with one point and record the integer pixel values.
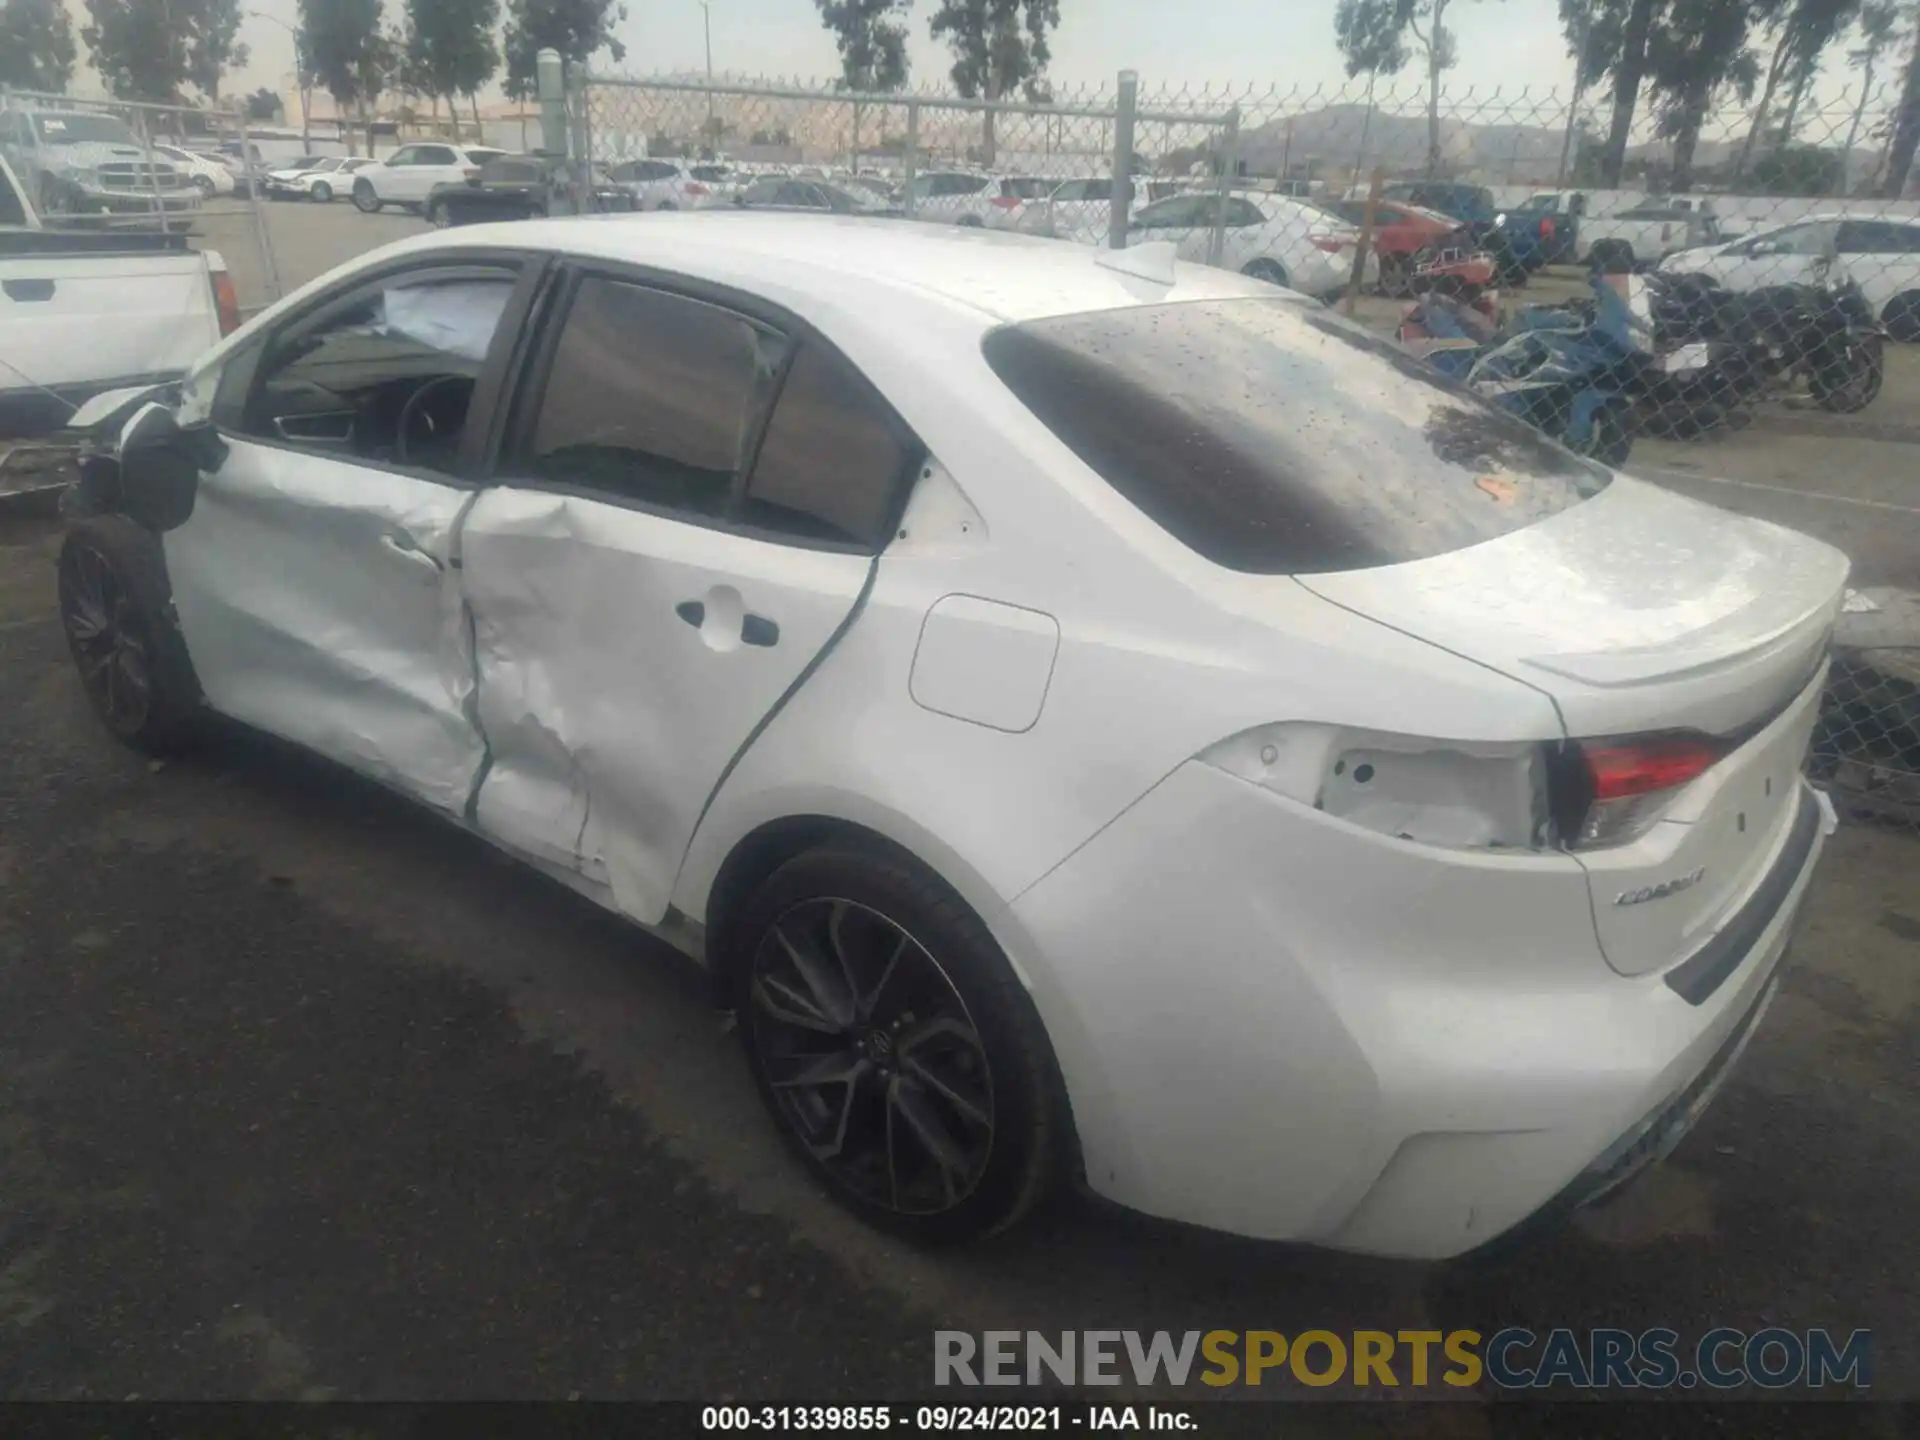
(321, 192)
(970, 222)
(1902, 317)
(666, 205)
(364, 200)
(438, 216)
(117, 611)
(1849, 381)
(1611, 257)
(900, 1058)
(1270, 271)
(1610, 439)
(204, 185)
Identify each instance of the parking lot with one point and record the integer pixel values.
(303, 1095)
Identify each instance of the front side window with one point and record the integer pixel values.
(76, 128)
(403, 156)
(652, 397)
(1273, 437)
(386, 376)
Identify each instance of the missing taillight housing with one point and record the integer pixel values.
(1005, 202)
(226, 302)
(1609, 791)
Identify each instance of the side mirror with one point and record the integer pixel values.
(160, 466)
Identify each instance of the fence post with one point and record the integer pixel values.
(550, 86)
(270, 271)
(580, 140)
(145, 135)
(1229, 168)
(910, 157)
(1119, 206)
(1366, 239)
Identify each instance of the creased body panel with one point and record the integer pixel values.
(316, 603)
(619, 673)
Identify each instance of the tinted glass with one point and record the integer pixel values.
(710, 174)
(389, 379)
(436, 155)
(1272, 436)
(1026, 187)
(1878, 237)
(833, 460)
(66, 129)
(652, 397)
(799, 193)
(762, 192)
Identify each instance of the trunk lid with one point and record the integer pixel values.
(1639, 612)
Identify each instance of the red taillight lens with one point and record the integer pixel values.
(1005, 202)
(1332, 244)
(472, 172)
(1642, 767)
(694, 187)
(1608, 792)
(226, 302)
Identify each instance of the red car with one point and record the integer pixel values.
(1400, 231)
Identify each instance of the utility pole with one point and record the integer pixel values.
(706, 22)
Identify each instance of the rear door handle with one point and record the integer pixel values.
(407, 549)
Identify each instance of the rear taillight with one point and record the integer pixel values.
(1005, 202)
(1332, 244)
(226, 302)
(472, 172)
(1606, 792)
(694, 187)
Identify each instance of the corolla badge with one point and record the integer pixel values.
(1662, 890)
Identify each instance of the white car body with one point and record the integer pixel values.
(1273, 237)
(1265, 843)
(1878, 253)
(962, 197)
(1648, 232)
(666, 184)
(408, 175)
(326, 179)
(207, 173)
(1082, 210)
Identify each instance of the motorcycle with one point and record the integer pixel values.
(1567, 370)
(1729, 349)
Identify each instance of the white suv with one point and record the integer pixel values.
(959, 197)
(667, 184)
(408, 175)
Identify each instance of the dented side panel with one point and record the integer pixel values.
(624, 659)
(318, 603)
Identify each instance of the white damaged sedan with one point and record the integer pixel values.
(1096, 717)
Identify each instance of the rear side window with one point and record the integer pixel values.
(1273, 437)
(1026, 187)
(833, 459)
(652, 397)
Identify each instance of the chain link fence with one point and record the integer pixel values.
(143, 169)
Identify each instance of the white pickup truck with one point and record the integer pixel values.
(1643, 235)
(85, 310)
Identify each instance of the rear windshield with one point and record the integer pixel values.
(1271, 436)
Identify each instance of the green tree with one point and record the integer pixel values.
(212, 36)
(449, 49)
(136, 48)
(1878, 21)
(1372, 35)
(263, 104)
(1618, 38)
(999, 49)
(1801, 32)
(347, 53)
(36, 45)
(578, 29)
(1699, 55)
(871, 36)
(1906, 127)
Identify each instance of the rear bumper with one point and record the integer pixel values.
(1306, 1031)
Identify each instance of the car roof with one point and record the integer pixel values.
(842, 261)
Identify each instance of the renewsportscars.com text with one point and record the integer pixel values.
(1514, 1358)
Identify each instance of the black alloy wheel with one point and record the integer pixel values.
(873, 1060)
(110, 646)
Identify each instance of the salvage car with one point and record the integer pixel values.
(513, 187)
(1094, 716)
